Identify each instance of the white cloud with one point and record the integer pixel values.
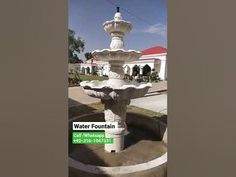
(158, 29)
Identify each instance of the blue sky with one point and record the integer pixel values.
(148, 17)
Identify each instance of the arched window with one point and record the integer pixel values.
(83, 70)
(146, 70)
(88, 70)
(127, 69)
(136, 70)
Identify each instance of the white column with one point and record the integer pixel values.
(125, 69)
(102, 68)
(162, 73)
(141, 70)
(91, 69)
(131, 71)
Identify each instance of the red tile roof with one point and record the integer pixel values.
(154, 50)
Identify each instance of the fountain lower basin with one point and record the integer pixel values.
(143, 133)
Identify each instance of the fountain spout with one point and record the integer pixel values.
(117, 9)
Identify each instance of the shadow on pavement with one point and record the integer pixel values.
(92, 156)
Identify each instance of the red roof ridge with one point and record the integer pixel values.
(154, 50)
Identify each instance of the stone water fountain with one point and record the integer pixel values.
(116, 93)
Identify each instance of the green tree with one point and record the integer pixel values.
(76, 45)
(88, 55)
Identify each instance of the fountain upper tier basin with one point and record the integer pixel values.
(117, 26)
(103, 90)
(116, 55)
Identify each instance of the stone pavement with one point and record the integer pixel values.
(77, 97)
(159, 86)
(157, 103)
(153, 100)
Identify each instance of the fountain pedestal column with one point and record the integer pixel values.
(115, 111)
(116, 74)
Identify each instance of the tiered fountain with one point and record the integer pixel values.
(115, 93)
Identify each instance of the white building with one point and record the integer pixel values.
(152, 60)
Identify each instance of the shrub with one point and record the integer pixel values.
(154, 77)
(73, 78)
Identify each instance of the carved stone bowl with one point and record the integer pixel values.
(116, 55)
(117, 26)
(102, 90)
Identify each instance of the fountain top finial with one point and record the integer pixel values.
(117, 14)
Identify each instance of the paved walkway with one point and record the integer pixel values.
(77, 97)
(153, 100)
(159, 86)
(157, 103)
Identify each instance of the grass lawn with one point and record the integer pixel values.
(99, 107)
(91, 77)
